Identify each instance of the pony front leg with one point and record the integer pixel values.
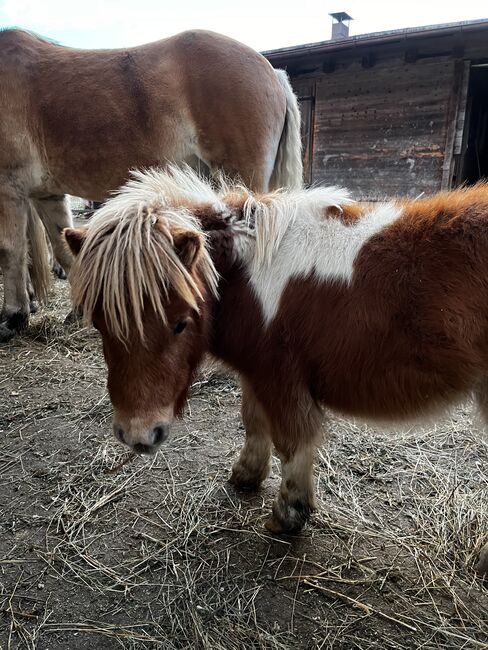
(254, 462)
(296, 446)
(296, 499)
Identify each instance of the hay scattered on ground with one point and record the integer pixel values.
(103, 549)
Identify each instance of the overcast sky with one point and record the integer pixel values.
(263, 24)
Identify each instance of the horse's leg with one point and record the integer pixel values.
(13, 260)
(481, 397)
(56, 268)
(55, 214)
(253, 464)
(295, 437)
(33, 305)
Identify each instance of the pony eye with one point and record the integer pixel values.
(179, 327)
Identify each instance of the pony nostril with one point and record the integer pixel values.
(119, 433)
(141, 448)
(159, 434)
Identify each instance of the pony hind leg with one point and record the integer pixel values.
(296, 443)
(254, 462)
(481, 399)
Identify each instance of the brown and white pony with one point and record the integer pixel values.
(379, 311)
(75, 121)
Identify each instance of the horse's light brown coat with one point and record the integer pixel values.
(76, 121)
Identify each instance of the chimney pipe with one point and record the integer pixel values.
(340, 25)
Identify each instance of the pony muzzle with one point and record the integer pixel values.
(142, 439)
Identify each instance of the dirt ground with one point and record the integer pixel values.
(102, 550)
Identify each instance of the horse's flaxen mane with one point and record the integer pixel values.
(128, 257)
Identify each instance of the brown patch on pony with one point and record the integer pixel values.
(349, 213)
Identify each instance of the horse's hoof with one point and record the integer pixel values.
(33, 306)
(12, 325)
(482, 565)
(58, 271)
(6, 334)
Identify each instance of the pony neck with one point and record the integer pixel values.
(221, 246)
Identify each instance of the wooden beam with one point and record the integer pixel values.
(328, 65)
(411, 55)
(368, 60)
(453, 109)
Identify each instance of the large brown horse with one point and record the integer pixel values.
(378, 311)
(75, 121)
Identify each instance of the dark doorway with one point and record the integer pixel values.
(474, 161)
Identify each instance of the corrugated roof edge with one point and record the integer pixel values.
(373, 38)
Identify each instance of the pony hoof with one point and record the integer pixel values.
(286, 518)
(482, 565)
(33, 306)
(243, 479)
(281, 527)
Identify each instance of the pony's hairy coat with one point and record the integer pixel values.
(378, 311)
(128, 257)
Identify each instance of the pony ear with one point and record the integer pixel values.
(75, 238)
(188, 246)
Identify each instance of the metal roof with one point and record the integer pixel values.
(376, 38)
(341, 16)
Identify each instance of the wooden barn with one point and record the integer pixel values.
(398, 112)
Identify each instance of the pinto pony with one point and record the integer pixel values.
(75, 121)
(378, 311)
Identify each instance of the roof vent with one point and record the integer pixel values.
(340, 25)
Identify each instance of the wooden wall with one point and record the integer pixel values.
(383, 130)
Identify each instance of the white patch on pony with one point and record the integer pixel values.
(294, 240)
(282, 235)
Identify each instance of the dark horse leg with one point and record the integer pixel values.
(55, 214)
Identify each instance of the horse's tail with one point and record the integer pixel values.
(288, 169)
(39, 263)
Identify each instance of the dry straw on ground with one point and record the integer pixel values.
(101, 549)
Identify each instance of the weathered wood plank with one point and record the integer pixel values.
(382, 131)
(452, 111)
